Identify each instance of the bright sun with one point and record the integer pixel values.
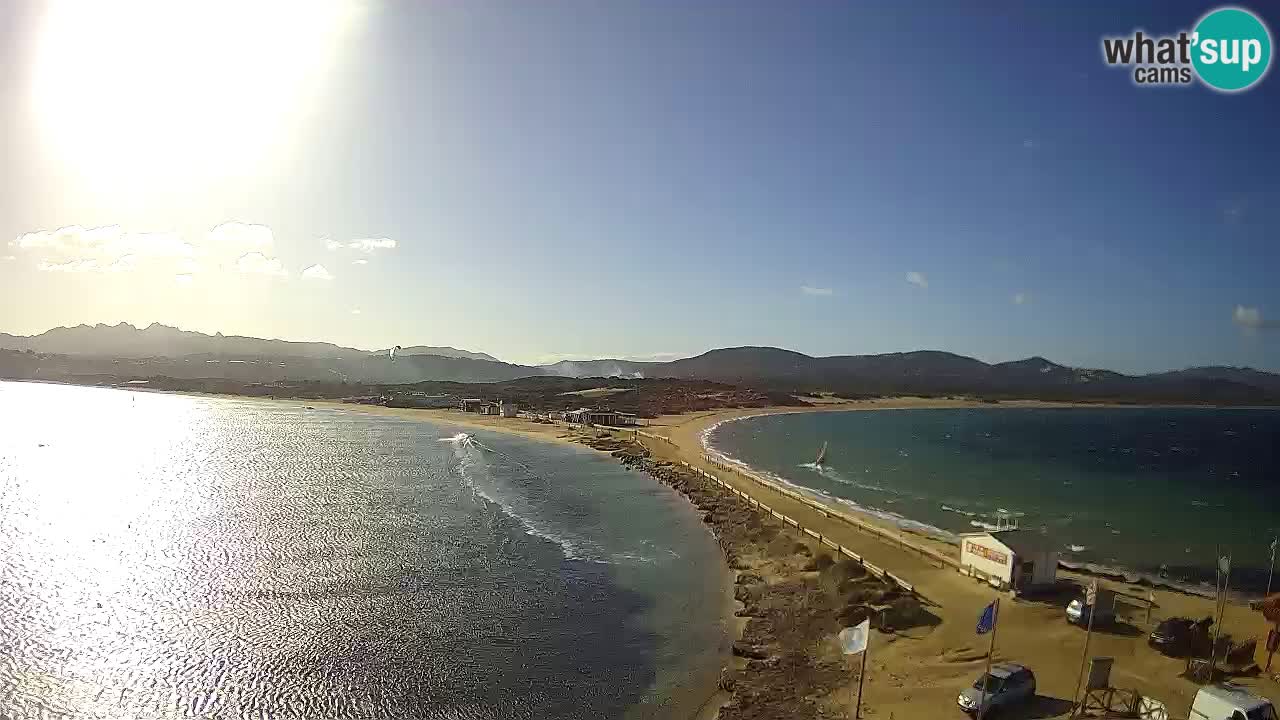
(175, 89)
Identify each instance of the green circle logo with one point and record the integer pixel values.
(1231, 49)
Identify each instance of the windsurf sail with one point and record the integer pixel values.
(822, 455)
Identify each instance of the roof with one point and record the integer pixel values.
(1233, 695)
(1004, 670)
(1021, 542)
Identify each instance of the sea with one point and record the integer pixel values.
(180, 556)
(1150, 494)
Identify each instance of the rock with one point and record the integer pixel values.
(750, 652)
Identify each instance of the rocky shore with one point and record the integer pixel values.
(793, 594)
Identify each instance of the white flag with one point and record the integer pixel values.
(854, 639)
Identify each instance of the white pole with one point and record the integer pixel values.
(1272, 567)
(1084, 655)
(862, 675)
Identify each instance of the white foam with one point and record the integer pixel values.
(475, 475)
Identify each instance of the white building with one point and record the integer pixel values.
(1019, 560)
(506, 409)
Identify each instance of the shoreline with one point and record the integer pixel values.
(941, 657)
(919, 531)
(946, 658)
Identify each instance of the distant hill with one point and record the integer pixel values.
(156, 340)
(1246, 376)
(448, 352)
(127, 352)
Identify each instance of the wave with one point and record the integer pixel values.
(1077, 548)
(830, 473)
(476, 476)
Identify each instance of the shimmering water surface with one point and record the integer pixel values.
(1150, 491)
(173, 556)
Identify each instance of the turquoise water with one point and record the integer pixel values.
(170, 556)
(1153, 491)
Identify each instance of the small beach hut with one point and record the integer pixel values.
(1017, 560)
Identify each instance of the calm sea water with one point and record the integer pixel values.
(170, 556)
(1150, 490)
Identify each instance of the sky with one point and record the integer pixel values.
(647, 180)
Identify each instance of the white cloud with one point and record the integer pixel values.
(100, 249)
(316, 272)
(1019, 298)
(1247, 316)
(72, 266)
(259, 264)
(1250, 320)
(239, 238)
(916, 278)
(368, 245)
(808, 290)
(360, 261)
(355, 311)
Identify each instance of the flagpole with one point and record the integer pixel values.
(1271, 569)
(1217, 628)
(862, 674)
(1084, 655)
(995, 621)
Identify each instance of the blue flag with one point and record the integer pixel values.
(987, 621)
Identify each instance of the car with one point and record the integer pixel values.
(1230, 702)
(1078, 612)
(1007, 685)
(1179, 637)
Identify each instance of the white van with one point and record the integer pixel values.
(1225, 701)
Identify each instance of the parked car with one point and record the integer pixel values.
(1007, 685)
(1179, 637)
(1078, 612)
(1225, 701)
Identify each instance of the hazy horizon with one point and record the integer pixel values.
(552, 358)
(636, 180)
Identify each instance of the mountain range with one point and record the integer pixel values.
(124, 351)
(126, 341)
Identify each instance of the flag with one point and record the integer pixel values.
(1224, 564)
(1273, 547)
(987, 621)
(854, 639)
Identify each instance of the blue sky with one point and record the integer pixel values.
(697, 165)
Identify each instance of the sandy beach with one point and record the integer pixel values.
(917, 673)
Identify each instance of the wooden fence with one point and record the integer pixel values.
(753, 502)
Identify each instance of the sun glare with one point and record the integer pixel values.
(173, 90)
